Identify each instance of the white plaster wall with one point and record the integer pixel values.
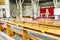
(1, 12)
(7, 8)
(27, 11)
(2, 6)
(13, 9)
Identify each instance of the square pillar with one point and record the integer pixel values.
(7, 8)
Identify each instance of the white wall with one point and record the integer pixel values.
(13, 10)
(2, 6)
(1, 14)
(57, 11)
(6, 7)
(27, 11)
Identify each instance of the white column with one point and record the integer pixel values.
(20, 3)
(34, 6)
(17, 15)
(38, 9)
(56, 6)
(35, 11)
(55, 3)
(1, 12)
(7, 8)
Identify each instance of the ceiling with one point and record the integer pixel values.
(41, 1)
(29, 1)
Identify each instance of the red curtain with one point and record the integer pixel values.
(51, 11)
(43, 11)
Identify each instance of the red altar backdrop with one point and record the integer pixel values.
(43, 11)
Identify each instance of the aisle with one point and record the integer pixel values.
(6, 37)
(17, 37)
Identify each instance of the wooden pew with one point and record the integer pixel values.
(23, 34)
(8, 30)
(1, 27)
(34, 26)
(5, 37)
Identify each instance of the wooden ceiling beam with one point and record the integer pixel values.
(2, 2)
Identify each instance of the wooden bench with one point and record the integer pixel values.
(38, 27)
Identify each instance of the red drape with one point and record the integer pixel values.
(43, 11)
(51, 11)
